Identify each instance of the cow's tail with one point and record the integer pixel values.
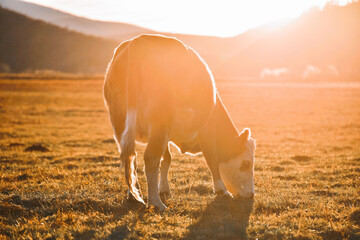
(127, 144)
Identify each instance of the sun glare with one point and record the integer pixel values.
(201, 17)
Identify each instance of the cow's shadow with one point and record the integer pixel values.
(223, 218)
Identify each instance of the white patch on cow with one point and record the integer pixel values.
(130, 125)
(239, 181)
(116, 141)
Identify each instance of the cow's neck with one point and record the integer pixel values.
(226, 132)
(218, 136)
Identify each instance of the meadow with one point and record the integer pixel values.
(60, 175)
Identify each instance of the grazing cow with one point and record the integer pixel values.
(158, 90)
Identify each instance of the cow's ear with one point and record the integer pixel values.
(243, 137)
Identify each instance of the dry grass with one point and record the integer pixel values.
(60, 176)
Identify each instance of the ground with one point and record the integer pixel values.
(60, 175)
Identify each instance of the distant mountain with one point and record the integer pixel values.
(112, 30)
(28, 44)
(212, 49)
(320, 44)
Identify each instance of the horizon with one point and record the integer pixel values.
(233, 17)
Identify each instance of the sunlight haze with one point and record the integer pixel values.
(202, 17)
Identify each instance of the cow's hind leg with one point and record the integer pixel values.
(164, 187)
(130, 195)
(157, 143)
(128, 157)
(126, 148)
(134, 192)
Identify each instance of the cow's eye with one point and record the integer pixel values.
(245, 165)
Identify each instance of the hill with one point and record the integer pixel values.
(319, 44)
(32, 38)
(28, 44)
(212, 49)
(111, 30)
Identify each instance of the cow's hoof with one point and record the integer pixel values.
(158, 208)
(165, 196)
(224, 194)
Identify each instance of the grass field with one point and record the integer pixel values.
(60, 175)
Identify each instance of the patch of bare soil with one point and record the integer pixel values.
(301, 158)
(37, 147)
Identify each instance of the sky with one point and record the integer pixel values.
(222, 18)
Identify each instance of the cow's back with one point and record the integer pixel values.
(167, 83)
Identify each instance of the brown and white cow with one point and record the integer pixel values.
(158, 90)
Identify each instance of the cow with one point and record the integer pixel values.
(159, 91)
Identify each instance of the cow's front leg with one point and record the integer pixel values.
(158, 139)
(219, 186)
(164, 187)
(209, 148)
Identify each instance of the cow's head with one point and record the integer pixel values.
(238, 173)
